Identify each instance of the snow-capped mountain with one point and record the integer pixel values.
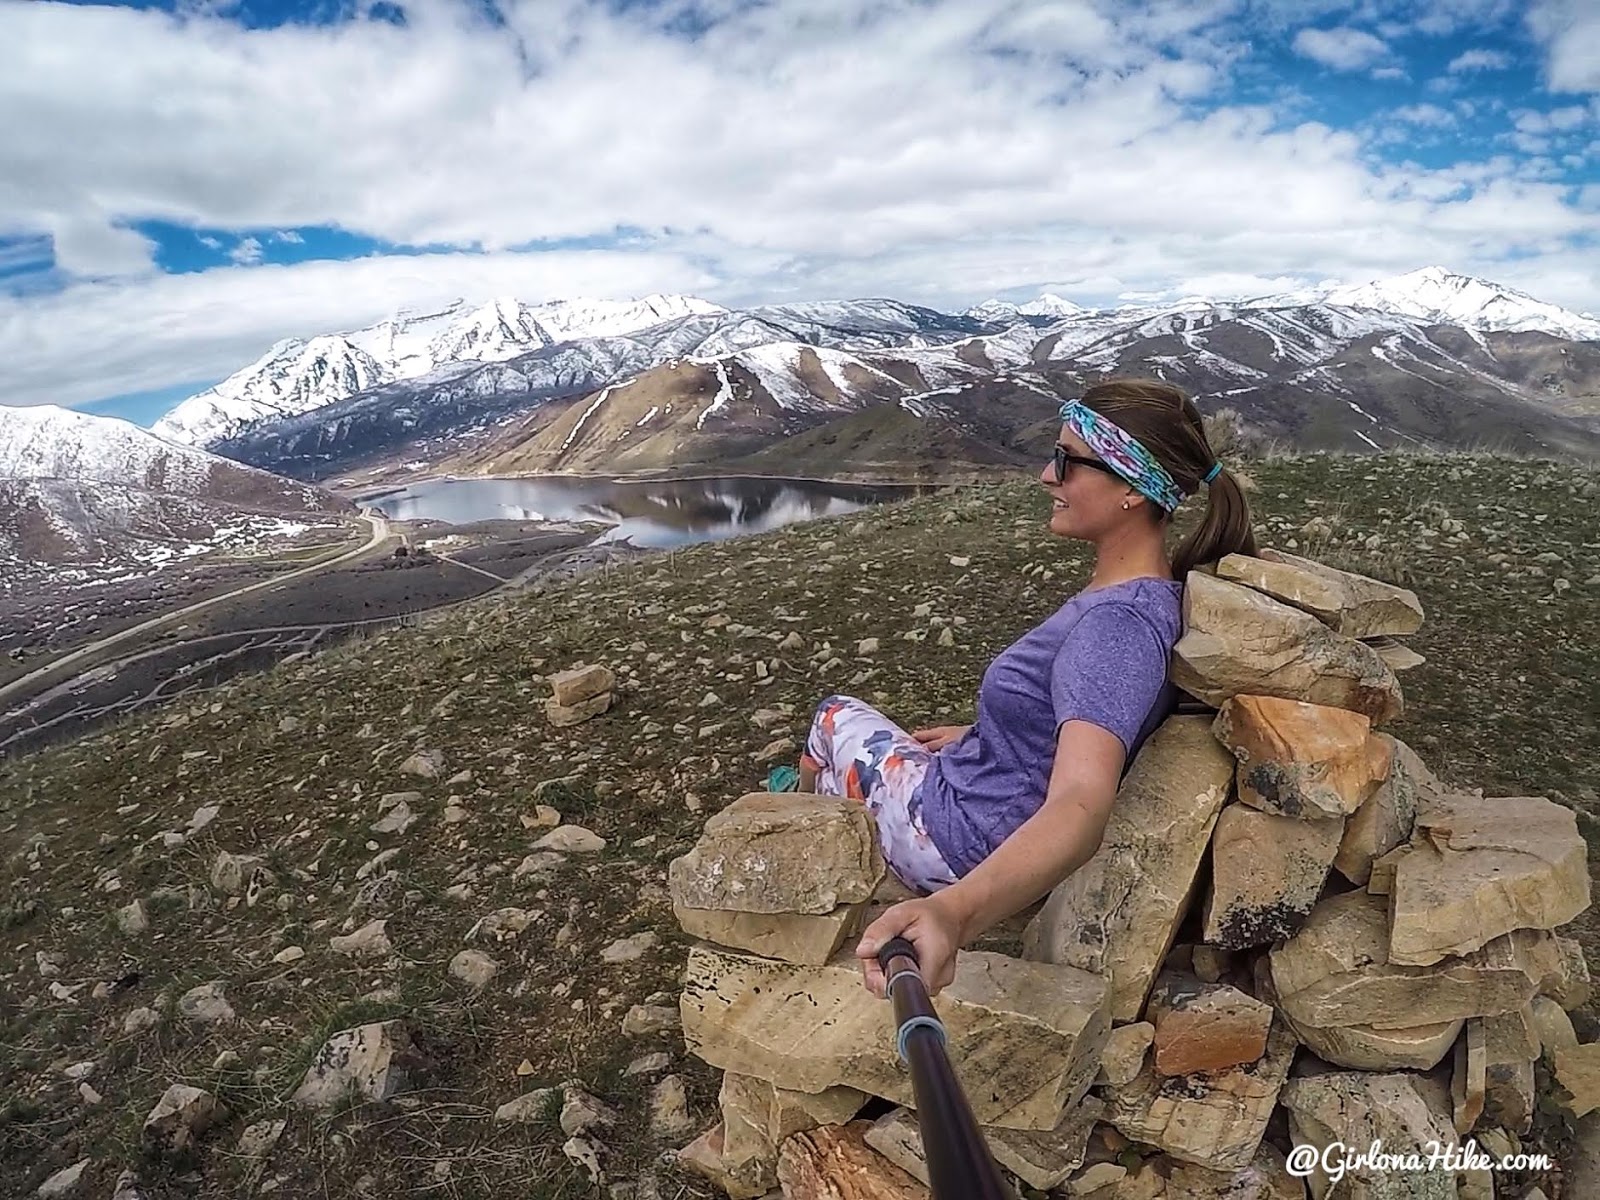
(296, 377)
(1436, 295)
(796, 355)
(293, 377)
(1047, 306)
(72, 480)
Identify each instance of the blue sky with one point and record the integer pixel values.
(191, 181)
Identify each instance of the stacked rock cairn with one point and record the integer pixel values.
(1366, 954)
(578, 694)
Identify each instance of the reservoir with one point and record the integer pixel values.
(659, 513)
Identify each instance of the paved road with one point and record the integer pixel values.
(380, 534)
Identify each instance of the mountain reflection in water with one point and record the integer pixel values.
(658, 512)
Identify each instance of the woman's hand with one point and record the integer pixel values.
(930, 924)
(938, 737)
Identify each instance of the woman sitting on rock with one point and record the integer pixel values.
(984, 819)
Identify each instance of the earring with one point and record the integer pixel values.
(1124, 504)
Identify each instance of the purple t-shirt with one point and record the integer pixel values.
(1101, 657)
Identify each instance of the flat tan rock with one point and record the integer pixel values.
(1552, 1025)
(1238, 641)
(783, 852)
(1211, 1119)
(1510, 1048)
(792, 937)
(757, 1117)
(706, 1157)
(1386, 818)
(1397, 655)
(1266, 874)
(574, 686)
(1352, 604)
(1031, 1032)
(1467, 1077)
(1124, 1052)
(562, 715)
(1205, 1026)
(1363, 1048)
(1265, 1178)
(1577, 1073)
(1477, 867)
(1336, 972)
(1569, 985)
(1301, 760)
(1117, 914)
(834, 1162)
(1041, 1160)
(1358, 1108)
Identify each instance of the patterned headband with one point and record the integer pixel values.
(1123, 454)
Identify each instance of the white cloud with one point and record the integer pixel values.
(935, 150)
(1423, 114)
(1570, 33)
(1479, 60)
(246, 252)
(210, 242)
(287, 235)
(1342, 48)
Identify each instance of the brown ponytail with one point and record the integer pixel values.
(1167, 423)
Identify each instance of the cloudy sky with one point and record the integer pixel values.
(184, 182)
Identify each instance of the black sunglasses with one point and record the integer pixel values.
(1061, 456)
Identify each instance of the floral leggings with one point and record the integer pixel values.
(859, 753)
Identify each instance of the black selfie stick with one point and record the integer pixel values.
(960, 1166)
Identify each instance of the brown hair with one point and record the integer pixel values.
(1166, 422)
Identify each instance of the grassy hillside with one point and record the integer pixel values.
(1503, 553)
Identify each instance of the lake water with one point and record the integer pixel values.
(656, 513)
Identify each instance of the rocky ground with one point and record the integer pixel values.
(205, 896)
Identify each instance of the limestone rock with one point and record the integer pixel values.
(782, 852)
(1467, 1077)
(645, 1019)
(1239, 641)
(581, 683)
(571, 839)
(1335, 972)
(1477, 867)
(706, 1156)
(833, 1162)
(179, 1118)
(669, 1108)
(1397, 655)
(1124, 1052)
(230, 873)
(1266, 1177)
(64, 1182)
(758, 1111)
(257, 1141)
(1358, 1109)
(792, 937)
(429, 764)
(370, 941)
(530, 1108)
(563, 715)
(1363, 1048)
(398, 819)
(1117, 914)
(1031, 1031)
(1351, 604)
(134, 919)
(1212, 1119)
(206, 1005)
(474, 968)
(1568, 986)
(375, 1061)
(1205, 1026)
(1387, 816)
(1577, 1073)
(581, 1111)
(1041, 1160)
(1301, 760)
(1266, 874)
